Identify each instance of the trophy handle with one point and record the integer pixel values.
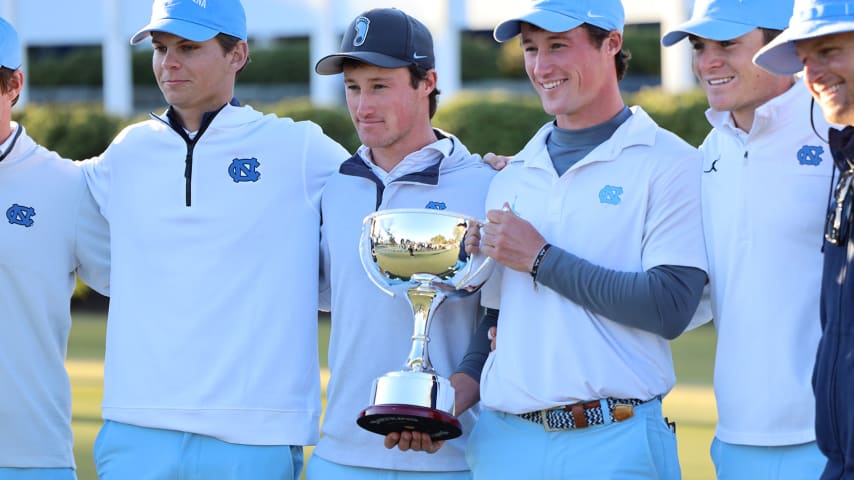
(478, 270)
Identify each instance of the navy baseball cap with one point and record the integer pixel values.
(196, 20)
(383, 37)
(10, 46)
(727, 19)
(564, 15)
(811, 19)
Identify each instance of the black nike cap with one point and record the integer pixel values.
(383, 37)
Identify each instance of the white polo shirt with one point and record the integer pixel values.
(633, 203)
(764, 200)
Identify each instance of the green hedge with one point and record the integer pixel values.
(288, 60)
(682, 114)
(73, 130)
(493, 121)
(334, 121)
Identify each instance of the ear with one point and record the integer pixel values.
(15, 85)
(239, 55)
(430, 82)
(614, 42)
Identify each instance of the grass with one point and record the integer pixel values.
(691, 404)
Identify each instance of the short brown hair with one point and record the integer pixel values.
(621, 59)
(228, 43)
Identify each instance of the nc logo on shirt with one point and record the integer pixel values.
(810, 155)
(436, 206)
(20, 215)
(610, 195)
(244, 170)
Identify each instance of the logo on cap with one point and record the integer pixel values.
(361, 27)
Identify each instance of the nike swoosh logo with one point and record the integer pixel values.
(418, 57)
(593, 15)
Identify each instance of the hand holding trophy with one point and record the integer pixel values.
(418, 255)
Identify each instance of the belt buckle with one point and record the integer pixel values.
(544, 418)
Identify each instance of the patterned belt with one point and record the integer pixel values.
(583, 415)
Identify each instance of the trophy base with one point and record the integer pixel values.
(388, 418)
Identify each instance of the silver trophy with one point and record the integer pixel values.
(418, 255)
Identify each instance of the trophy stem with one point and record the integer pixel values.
(424, 300)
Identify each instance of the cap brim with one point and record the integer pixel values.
(706, 28)
(547, 20)
(190, 31)
(333, 64)
(780, 55)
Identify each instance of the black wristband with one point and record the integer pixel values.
(537, 261)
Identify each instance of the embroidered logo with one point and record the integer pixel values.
(244, 170)
(610, 195)
(810, 155)
(362, 26)
(20, 215)
(436, 205)
(415, 56)
(714, 167)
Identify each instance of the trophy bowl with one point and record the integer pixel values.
(419, 256)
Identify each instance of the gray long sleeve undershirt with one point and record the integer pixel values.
(475, 357)
(661, 300)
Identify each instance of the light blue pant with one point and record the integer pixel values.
(320, 469)
(124, 452)
(37, 474)
(502, 445)
(748, 462)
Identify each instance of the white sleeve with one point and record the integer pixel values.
(92, 243)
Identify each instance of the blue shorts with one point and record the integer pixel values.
(320, 469)
(503, 445)
(125, 451)
(37, 474)
(749, 462)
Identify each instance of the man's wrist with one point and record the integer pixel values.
(538, 260)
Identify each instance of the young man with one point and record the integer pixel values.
(214, 211)
(51, 231)
(387, 60)
(765, 317)
(597, 225)
(820, 40)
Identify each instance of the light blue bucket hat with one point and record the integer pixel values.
(811, 19)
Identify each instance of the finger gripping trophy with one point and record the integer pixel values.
(418, 255)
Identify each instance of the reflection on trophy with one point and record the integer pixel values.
(418, 254)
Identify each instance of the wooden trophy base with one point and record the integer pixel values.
(388, 418)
